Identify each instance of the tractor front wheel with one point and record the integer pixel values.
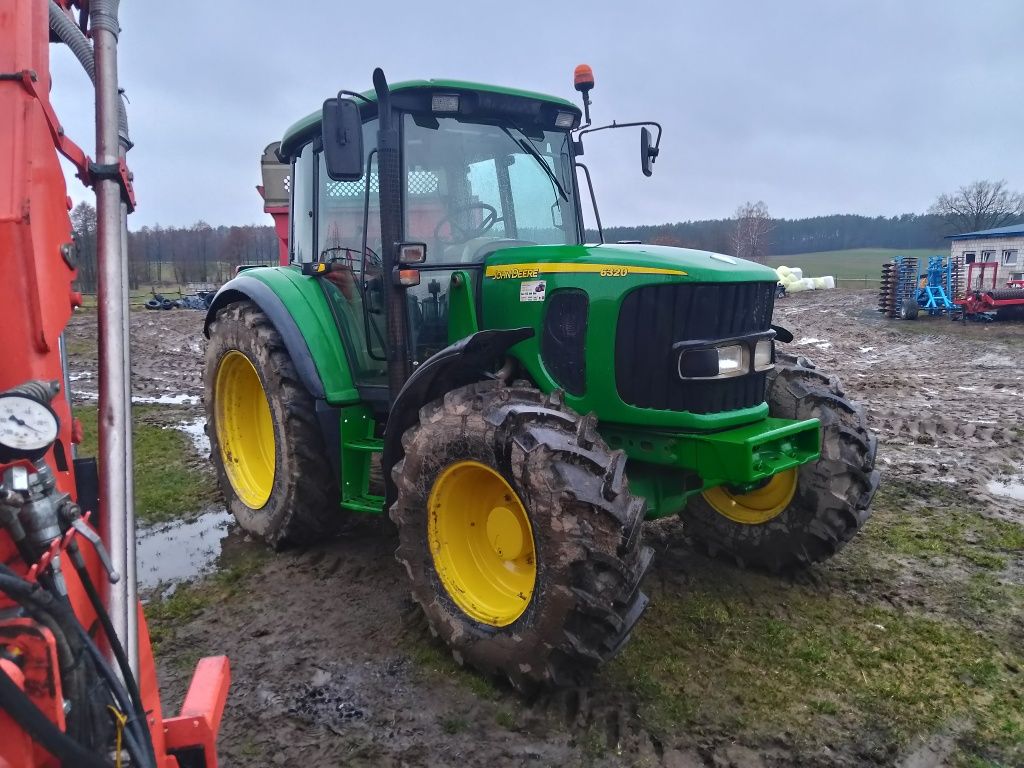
(519, 534)
(803, 515)
(265, 442)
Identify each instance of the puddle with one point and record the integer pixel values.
(180, 551)
(1011, 487)
(179, 399)
(196, 430)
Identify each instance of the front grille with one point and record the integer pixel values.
(654, 317)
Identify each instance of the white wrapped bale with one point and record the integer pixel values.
(797, 273)
(829, 281)
(783, 273)
(808, 284)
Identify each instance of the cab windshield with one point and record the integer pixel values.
(473, 188)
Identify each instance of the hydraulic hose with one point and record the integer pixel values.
(69, 34)
(136, 733)
(104, 15)
(37, 725)
(133, 733)
(40, 605)
(119, 654)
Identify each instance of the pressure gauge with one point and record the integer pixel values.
(28, 427)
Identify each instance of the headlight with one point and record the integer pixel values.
(763, 355)
(732, 361)
(714, 363)
(564, 119)
(444, 102)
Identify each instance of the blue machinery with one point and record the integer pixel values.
(909, 287)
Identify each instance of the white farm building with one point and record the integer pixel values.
(1002, 245)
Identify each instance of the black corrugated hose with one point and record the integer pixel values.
(26, 714)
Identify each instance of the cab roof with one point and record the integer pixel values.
(303, 130)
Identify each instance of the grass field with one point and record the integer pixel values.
(170, 479)
(854, 263)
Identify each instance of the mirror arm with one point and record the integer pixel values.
(355, 95)
(613, 124)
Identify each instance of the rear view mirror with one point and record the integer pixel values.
(648, 153)
(343, 140)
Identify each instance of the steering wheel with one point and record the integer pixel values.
(490, 218)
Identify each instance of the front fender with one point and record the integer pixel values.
(298, 309)
(458, 364)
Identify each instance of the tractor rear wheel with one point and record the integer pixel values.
(804, 515)
(519, 534)
(264, 438)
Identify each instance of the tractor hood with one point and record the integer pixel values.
(621, 260)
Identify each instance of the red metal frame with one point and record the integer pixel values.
(279, 213)
(976, 298)
(37, 271)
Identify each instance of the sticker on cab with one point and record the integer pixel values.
(532, 290)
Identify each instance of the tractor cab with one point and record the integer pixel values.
(480, 170)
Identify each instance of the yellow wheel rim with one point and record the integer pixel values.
(482, 543)
(245, 429)
(756, 507)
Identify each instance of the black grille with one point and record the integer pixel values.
(654, 317)
(562, 339)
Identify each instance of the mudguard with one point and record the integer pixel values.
(242, 288)
(458, 364)
(298, 309)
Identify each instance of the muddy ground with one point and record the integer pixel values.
(903, 650)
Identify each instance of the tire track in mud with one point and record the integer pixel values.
(166, 353)
(945, 399)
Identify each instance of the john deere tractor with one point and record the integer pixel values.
(442, 346)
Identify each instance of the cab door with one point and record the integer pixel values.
(346, 233)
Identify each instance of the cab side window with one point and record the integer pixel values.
(340, 208)
(354, 287)
(300, 244)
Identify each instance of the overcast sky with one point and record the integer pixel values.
(815, 107)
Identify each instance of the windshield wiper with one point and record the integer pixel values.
(527, 146)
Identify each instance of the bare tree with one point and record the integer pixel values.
(83, 226)
(980, 205)
(749, 239)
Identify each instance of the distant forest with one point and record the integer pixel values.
(203, 253)
(819, 233)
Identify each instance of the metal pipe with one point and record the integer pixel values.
(131, 584)
(116, 479)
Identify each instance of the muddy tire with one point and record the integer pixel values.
(832, 497)
(589, 560)
(909, 309)
(301, 503)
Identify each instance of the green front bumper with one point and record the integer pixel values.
(668, 467)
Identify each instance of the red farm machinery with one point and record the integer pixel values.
(983, 298)
(77, 677)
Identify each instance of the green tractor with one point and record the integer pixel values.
(441, 346)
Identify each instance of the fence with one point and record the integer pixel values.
(873, 282)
